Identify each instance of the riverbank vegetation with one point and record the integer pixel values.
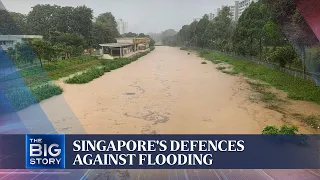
(71, 36)
(105, 66)
(269, 33)
(297, 88)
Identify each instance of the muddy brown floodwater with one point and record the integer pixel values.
(168, 92)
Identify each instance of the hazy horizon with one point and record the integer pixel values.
(142, 15)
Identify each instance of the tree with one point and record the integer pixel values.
(41, 20)
(105, 29)
(152, 42)
(21, 22)
(183, 35)
(81, 23)
(25, 52)
(130, 34)
(200, 31)
(8, 26)
(192, 33)
(249, 31)
(222, 29)
(69, 39)
(46, 19)
(142, 35)
(293, 25)
(273, 33)
(167, 35)
(108, 20)
(43, 49)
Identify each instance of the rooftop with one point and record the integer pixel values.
(8, 37)
(115, 45)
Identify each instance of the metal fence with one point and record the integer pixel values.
(312, 76)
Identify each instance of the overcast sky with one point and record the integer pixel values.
(142, 15)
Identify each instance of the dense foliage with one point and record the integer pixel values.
(269, 30)
(273, 130)
(67, 31)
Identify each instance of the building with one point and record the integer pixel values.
(2, 6)
(125, 47)
(234, 10)
(218, 11)
(9, 41)
(211, 16)
(244, 5)
(238, 8)
(122, 26)
(125, 27)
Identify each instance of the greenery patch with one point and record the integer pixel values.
(23, 97)
(87, 76)
(273, 130)
(297, 88)
(107, 66)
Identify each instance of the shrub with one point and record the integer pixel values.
(107, 66)
(272, 130)
(22, 97)
(283, 55)
(87, 76)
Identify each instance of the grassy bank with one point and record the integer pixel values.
(32, 85)
(106, 66)
(36, 76)
(22, 97)
(296, 88)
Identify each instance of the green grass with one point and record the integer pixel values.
(297, 88)
(30, 86)
(22, 97)
(63, 68)
(87, 76)
(36, 76)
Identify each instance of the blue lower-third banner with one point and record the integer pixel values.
(159, 151)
